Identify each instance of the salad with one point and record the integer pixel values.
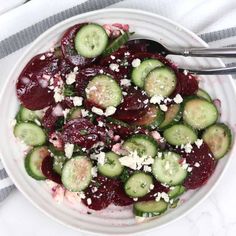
(113, 122)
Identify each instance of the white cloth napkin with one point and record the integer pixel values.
(213, 20)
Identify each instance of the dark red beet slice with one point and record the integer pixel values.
(199, 175)
(133, 107)
(120, 198)
(100, 191)
(82, 132)
(47, 169)
(32, 85)
(68, 48)
(85, 75)
(65, 68)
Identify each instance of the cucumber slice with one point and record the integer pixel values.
(150, 208)
(138, 184)
(176, 191)
(76, 174)
(203, 94)
(25, 114)
(117, 122)
(219, 139)
(54, 151)
(199, 113)
(58, 163)
(104, 91)
(139, 73)
(152, 119)
(180, 134)
(117, 43)
(143, 144)
(33, 162)
(74, 113)
(91, 40)
(30, 133)
(172, 116)
(168, 170)
(112, 167)
(161, 82)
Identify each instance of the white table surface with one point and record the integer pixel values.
(216, 216)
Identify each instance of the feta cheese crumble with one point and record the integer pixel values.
(69, 148)
(199, 142)
(77, 101)
(58, 95)
(89, 201)
(178, 99)
(84, 112)
(110, 111)
(100, 157)
(97, 111)
(163, 107)
(42, 57)
(136, 62)
(70, 78)
(125, 82)
(114, 67)
(65, 113)
(94, 171)
(156, 99)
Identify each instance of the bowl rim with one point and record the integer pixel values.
(81, 16)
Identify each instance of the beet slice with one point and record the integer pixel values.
(32, 84)
(47, 169)
(83, 132)
(68, 48)
(100, 191)
(199, 175)
(133, 107)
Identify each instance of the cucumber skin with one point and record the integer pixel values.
(176, 120)
(28, 169)
(229, 134)
(141, 213)
(203, 94)
(176, 193)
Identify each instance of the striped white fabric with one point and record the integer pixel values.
(213, 20)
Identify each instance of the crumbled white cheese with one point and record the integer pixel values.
(76, 69)
(42, 57)
(69, 148)
(37, 122)
(151, 187)
(188, 148)
(156, 99)
(113, 57)
(65, 113)
(100, 157)
(136, 62)
(146, 101)
(159, 154)
(84, 112)
(97, 111)
(147, 168)
(94, 171)
(185, 72)
(135, 199)
(178, 99)
(166, 100)
(197, 164)
(125, 82)
(163, 107)
(70, 78)
(77, 101)
(114, 67)
(124, 93)
(189, 169)
(185, 166)
(100, 123)
(81, 195)
(199, 142)
(127, 53)
(165, 196)
(89, 201)
(158, 197)
(58, 95)
(110, 111)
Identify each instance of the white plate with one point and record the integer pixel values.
(112, 220)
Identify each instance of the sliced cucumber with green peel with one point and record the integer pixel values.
(199, 113)
(25, 114)
(54, 151)
(30, 133)
(33, 162)
(117, 43)
(168, 170)
(172, 116)
(76, 174)
(219, 139)
(74, 113)
(150, 208)
(152, 119)
(138, 184)
(142, 144)
(161, 82)
(139, 73)
(180, 134)
(203, 94)
(114, 121)
(104, 91)
(91, 40)
(176, 191)
(112, 167)
(58, 162)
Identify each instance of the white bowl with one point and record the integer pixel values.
(112, 221)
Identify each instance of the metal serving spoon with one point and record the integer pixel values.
(230, 52)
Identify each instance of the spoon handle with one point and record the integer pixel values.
(206, 52)
(216, 71)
